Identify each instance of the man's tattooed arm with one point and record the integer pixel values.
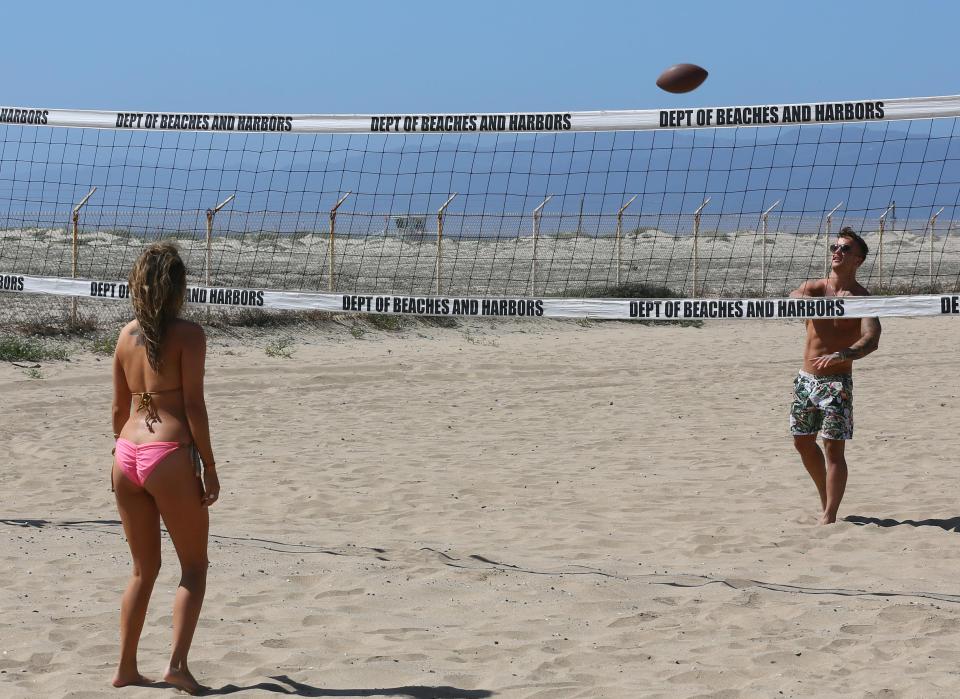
(869, 341)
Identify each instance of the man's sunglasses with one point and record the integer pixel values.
(842, 247)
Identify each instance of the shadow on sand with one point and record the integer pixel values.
(950, 525)
(44, 523)
(286, 685)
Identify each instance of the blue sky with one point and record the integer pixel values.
(432, 57)
(318, 57)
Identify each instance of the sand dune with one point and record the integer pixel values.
(728, 263)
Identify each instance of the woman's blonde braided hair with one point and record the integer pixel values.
(158, 285)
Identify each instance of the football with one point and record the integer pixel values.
(682, 77)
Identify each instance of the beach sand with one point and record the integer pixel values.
(507, 509)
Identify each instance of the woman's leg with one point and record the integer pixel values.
(141, 524)
(177, 492)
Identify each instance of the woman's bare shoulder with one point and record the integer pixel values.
(127, 331)
(187, 330)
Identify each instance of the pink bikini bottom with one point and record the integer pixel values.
(137, 461)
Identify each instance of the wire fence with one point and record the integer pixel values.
(560, 255)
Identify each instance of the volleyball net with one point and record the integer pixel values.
(721, 210)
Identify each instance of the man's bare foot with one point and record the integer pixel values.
(124, 679)
(827, 518)
(183, 680)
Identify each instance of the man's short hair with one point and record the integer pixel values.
(848, 232)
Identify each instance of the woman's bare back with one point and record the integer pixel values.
(158, 413)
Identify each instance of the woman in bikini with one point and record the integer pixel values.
(161, 442)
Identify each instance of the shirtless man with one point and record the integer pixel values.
(823, 390)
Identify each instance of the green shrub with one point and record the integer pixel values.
(630, 290)
(15, 349)
(40, 327)
(382, 321)
(280, 348)
(439, 321)
(257, 318)
(104, 344)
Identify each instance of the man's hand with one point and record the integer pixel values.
(823, 361)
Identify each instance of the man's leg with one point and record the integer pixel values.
(813, 461)
(805, 423)
(836, 478)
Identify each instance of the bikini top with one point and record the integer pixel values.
(146, 397)
(146, 404)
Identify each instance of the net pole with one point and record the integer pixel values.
(933, 223)
(620, 235)
(826, 240)
(206, 257)
(949, 231)
(331, 281)
(440, 213)
(763, 247)
(883, 221)
(880, 255)
(211, 213)
(696, 244)
(76, 249)
(536, 230)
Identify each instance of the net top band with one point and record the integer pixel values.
(507, 122)
(942, 305)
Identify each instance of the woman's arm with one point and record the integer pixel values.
(121, 393)
(192, 364)
(192, 361)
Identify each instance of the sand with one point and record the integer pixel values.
(525, 509)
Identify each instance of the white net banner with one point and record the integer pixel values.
(944, 305)
(511, 122)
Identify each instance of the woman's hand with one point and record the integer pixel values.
(211, 486)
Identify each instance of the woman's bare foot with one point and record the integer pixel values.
(183, 680)
(123, 679)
